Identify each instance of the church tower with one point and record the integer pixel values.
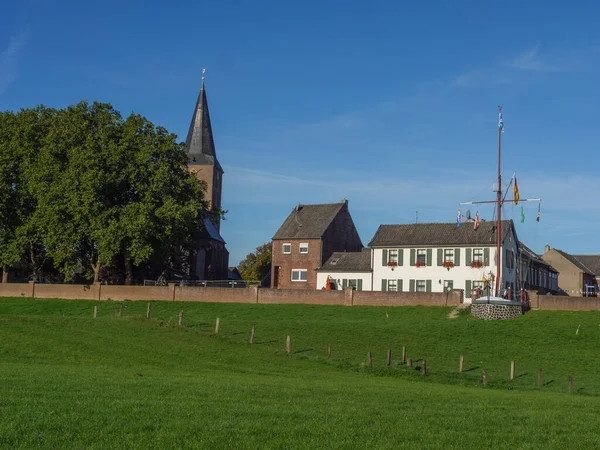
(202, 158)
(210, 259)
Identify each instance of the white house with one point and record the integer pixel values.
(434, 257)
(347, 269)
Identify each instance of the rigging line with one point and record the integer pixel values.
(480, 193)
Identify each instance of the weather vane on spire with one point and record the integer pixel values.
(203, 71)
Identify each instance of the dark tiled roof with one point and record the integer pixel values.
(200, 144)
(349, 262)
(531, 255)
(592, 262)
(308, 221)
(575, 261)
(438, 234)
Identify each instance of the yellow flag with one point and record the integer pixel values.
(516, 191)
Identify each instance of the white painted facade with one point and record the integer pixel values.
(409, 275)
(362, 281)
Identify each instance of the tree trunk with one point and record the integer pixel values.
(5, 274)
(34, 264)
(96, 268)
(128, 269)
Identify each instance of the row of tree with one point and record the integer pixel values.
(82, 189)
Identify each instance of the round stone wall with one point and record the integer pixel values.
(491, 311)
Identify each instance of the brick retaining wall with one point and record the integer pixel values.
(272, 296)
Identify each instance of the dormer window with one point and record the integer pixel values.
(287, 249)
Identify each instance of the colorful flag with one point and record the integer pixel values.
(500, 121)
(538, 214)
(522, 215)
(516, 191)
(458, 218)
(476, 221)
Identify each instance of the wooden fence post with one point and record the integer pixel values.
(369, 360)
(217, 323)
(120, 310)
(389, 356)
(181, 317)
(512, 369)
(148, 311)
(328, 351)
(460, 363)
(424, 368)
(403, 355)
(288, 345)
(95, 311)
(484, 377)
(570, 384)
(409, 362)
(252, 336)
(540, 376)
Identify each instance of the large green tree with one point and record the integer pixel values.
(21, 136)
(93, 187)
(256, 265)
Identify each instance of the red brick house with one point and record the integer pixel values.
(307, 238)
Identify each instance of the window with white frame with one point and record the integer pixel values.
(393, 256)
(421, 286)
(299, 274)
(287, 249)
(477, 284)
(353, 284)
(304, 248)
(392, 285)
(449, 255)
(448, 285)
(478, 254)
(422, 256)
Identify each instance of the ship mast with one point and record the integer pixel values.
(499, 203)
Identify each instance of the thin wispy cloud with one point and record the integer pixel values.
(482, 77)
(531, 60)
(9, 58)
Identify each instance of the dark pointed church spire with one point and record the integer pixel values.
(200, 144)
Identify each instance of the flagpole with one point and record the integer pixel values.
(499, 204)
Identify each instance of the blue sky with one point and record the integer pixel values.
(391, 105)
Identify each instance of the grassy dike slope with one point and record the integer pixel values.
(76, 382)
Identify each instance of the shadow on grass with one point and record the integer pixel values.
(471, 369)
(522, 375)
(548, 383)
(197, 325)
(272, 341)
(302, 351)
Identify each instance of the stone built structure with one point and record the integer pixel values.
(210, 258)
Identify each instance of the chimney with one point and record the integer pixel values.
(546, 248)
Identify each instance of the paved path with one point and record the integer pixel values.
(456, 311)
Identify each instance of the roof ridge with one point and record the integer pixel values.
(322, 204)
(438, 223)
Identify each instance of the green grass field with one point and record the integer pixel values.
(70, 381)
